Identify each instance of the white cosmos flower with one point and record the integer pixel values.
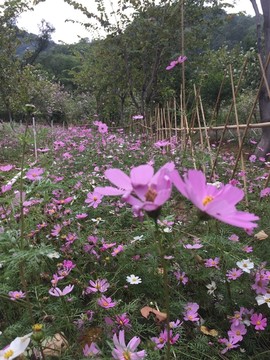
(262, 299)
(245, 265)
(133, 280)
(53, 255)
(15, 348)
(211, 288)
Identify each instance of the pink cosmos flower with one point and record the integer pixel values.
(117, 250)
(234, 274)
(102, 128)
(64, 201)
(68, 265)
(265, 192)
(34, 174)
(237, 331)
(55, 279)
(234, 238)
(98, 285)
(142, 190)
(230, 343)
(93, 199)
(173, 63)
(6, 168)
(258, 321)
(212, 262)
(137, 117)
(247, 249)
(181, 277)
(162, 339)
(16, 295)
(123, 320)
(123, 351)
(6, 188)
(106, 303)
(81, 216)
(216, 202)
(56, 230)
(191, 316)
(91, 350)
(55, 291)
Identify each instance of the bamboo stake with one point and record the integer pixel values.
(221, 127)
(175, 119)
(218, 98)
(240, 141)
(227, 118)
(183, 134)
(248, 125)
(206, 132)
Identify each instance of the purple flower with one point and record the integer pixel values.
(102, 128)
(106, 303)
(162, 339)
(98, 285)
(123, 351)
(173, 63)
(217, 202)
(137, 117)
(6, 168)
(212, 263)
(34, 174)
(55, 291)
(237, 331)
(181, 277)
(231, 343)
(142, 190)
(16, 295)
(93, 199)
(258, 321)
(234, 274)
(91, 350)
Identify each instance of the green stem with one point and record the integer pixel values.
(22, 230)
(166, 289)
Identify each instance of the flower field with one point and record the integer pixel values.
(114, 246)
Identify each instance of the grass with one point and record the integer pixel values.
(31, 250)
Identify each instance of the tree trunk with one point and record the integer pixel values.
(263, 146)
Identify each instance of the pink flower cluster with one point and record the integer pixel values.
(239, 323)
(191, 312)
(144, 190)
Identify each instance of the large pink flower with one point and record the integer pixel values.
(143, 189)
(123, 351)
(218, 202)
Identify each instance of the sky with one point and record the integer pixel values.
(57, 11)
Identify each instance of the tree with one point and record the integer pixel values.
(9, 62)
(264, 51)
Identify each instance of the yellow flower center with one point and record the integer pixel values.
(207, 200)
(126, 355)
(258, 322)
(37, 327)
(8, 354)
(150, 195)
(95, 198)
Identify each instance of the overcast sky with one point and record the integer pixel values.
(57, 11)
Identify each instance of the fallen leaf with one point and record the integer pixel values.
(147, 310)
(54, 346)
(207, 331)
(261, 235)
(93, 334)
